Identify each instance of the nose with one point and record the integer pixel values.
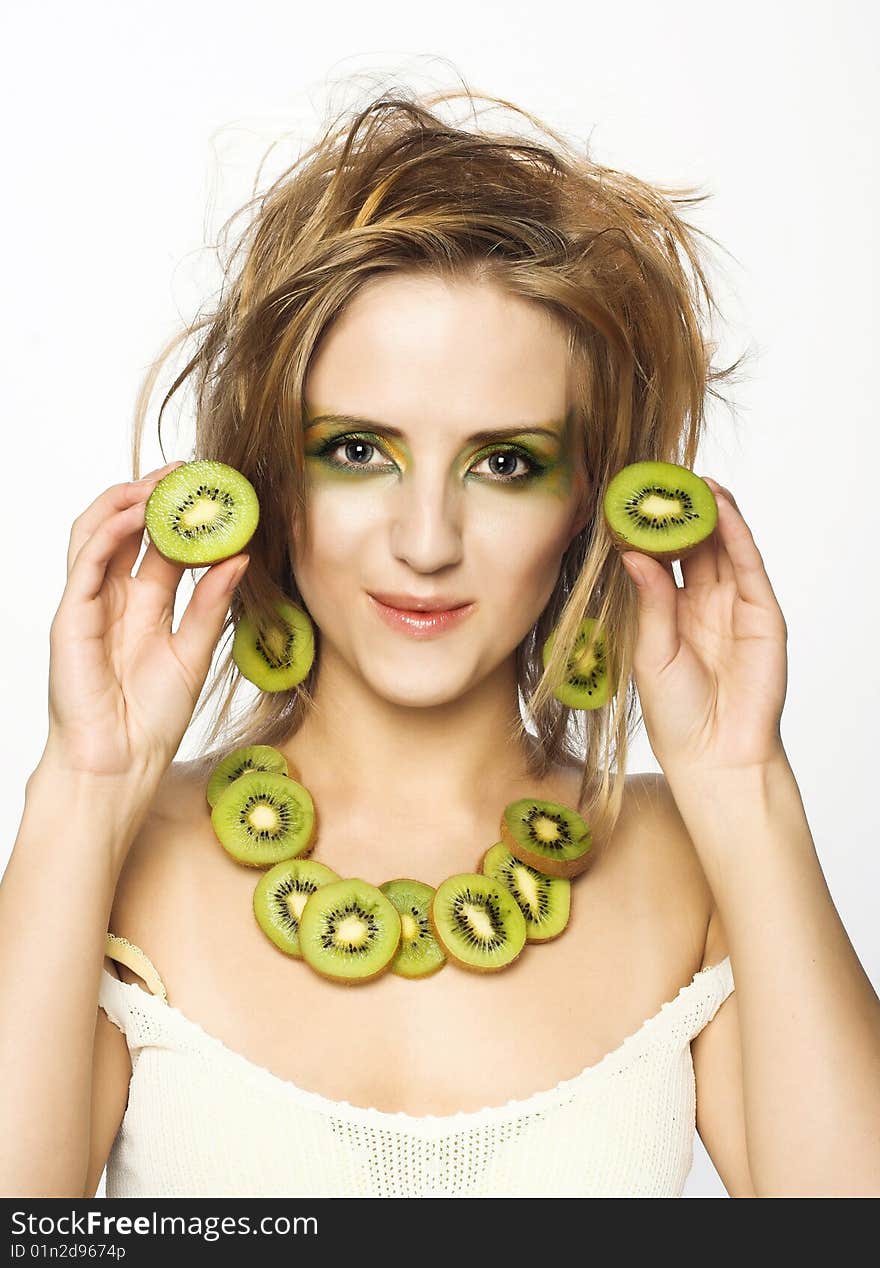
(425, 521)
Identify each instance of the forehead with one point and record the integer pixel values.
(411, 346)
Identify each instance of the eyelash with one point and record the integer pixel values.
(339, 441)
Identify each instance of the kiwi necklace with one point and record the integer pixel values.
(351, 931)
(345, 928)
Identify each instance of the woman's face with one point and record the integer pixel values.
(412, 503)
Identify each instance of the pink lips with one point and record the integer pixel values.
(420, 624)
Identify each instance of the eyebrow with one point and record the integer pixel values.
(493, 433)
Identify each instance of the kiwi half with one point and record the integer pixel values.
(251, 757)
(280, 896)
(548, 836)
(660, 509)
(477, 922)
(202, 512)
(419, 954)
(586, 682)
(279, 657)
(349, 931)
(263, 818)
(545, 901)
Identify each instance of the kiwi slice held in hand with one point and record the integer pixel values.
(239, 761)
(280, 896)
(548, 836)
(263, 818)
(277, 658)
(586, 684)
(419, 953)
(545, 901)
(202, 512)
(660, 509)
(349, 931)
(477, 922)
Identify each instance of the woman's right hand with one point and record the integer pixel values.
(122, 687)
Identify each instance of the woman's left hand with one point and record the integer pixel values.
(710, 660)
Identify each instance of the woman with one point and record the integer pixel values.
(439, 348)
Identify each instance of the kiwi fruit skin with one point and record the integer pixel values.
(349, 889)
(250, 757)
(577, 860)
(597, 692)
(238, 499)
(664, 544)
(407, 894)
(298, 870)
(253, 652)
(227, 812)
(500, 864)
(480, 886)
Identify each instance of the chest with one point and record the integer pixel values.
(457, 1040)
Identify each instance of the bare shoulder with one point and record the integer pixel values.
(162, 861)
(651, 850)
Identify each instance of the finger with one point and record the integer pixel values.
(156, 568)
(739, 554)
(116, 498)
(699, 569)
(202, 622)
(723, 565)
(90, 565)
(657, 642)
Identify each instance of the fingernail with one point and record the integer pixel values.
(238, 571)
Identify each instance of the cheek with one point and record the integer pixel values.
(517, 550)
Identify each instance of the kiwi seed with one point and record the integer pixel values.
(263, 818)
(545, 901)
(201, 513)
(660, 509)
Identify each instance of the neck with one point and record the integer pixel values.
(393, 761)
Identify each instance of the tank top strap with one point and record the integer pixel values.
(125, 952)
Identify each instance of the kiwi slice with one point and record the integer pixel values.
(546, 835)
(263, 818)
(660, 509)
(420, 953)
(280, 895)
(349, 931)
(251, 757)
(545, 901)
(586, 681)
(477, 922)
(277, 658)
(202, 512)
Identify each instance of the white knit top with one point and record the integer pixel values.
(205, 1121)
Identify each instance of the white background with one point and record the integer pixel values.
(133, 131)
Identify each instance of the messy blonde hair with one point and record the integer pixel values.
(394, 187)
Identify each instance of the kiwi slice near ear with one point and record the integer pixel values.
(545, 901)
(660, 509)
(250, 757)
(548, 836)
(263, 818)
(279, 657)
(202, 512)
(586, 684)
(477, 922)
(419, 953)
(280, 896)
(349, 931)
